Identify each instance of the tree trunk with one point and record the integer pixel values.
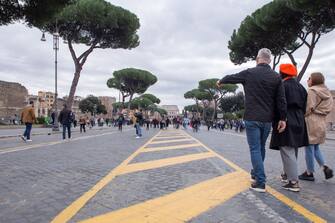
(130, 99)
(215, 104)
(276, 61)
(309, 57)
(197, 104)
(73, 87)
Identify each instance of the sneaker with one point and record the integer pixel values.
(23, 138)
(284, 178)
(137, 137)
(258, 187)
(252, 179)
(292, 186)
(29, 140)
(306, 176)
(328, 172)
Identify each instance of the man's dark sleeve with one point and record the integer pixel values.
(238, 78)
(281, 103)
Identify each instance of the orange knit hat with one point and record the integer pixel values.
(288, 69)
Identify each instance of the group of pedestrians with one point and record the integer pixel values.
(297, 118)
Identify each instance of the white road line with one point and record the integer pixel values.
(264, 208)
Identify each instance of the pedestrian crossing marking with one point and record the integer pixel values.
(175, 202)
(165, 162)
(184, 204)
(171, 137)
(162, 148)
(169, 141)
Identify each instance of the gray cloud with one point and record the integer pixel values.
(182, 42)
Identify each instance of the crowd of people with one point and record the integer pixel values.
(274, 101)
(297, 118)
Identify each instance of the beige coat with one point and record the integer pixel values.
(319, 105)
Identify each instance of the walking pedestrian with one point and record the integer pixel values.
(65, 118)
(319, 105)
(295, 134)
(82, 123)
(120, 121)
(28, 118)
(264, 92)
(138, 123)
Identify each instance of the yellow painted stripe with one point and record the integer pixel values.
(231, 164)
(172, 137)
(165, 162)
(281, 197)
(169, 141)
(155, 149)
(183, 205)
(73, 208)
(295, 206)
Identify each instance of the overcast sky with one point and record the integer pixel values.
(182, 42)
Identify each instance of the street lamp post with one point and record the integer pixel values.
(55, 35)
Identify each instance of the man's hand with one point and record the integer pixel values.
(218, 84)
(281, 126)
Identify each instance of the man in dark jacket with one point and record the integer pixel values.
(295, 134)
(65, 118)
(139, 120)
(264, 93)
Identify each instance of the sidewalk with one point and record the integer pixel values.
(10, 133)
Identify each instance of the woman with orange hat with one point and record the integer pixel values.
(295, 134)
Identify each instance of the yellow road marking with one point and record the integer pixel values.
(170, 135)
(295, 206)
(73, 208)
(281, 197)
(182, 205)
(165, 162)
(173, 137)
(155, 149)
(163, 214)
(169, 141)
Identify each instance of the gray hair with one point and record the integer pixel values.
(264, 55)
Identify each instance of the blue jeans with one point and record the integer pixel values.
(312, 151)
(27, 130)
(138, 130)
(257, 134)
(68, 127)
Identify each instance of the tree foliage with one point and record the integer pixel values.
(33, 12)
(92, 105)
(283, 26)
(97, 24)
(131, 81)
(214, 92)
(193, 108)
(232, 103)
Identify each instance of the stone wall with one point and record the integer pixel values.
(13, 98)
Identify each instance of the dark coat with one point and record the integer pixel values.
(264, 91)
(295, 134)
(65, 117)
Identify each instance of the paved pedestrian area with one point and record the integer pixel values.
(166, 176)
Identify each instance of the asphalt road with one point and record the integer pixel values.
(166, 176)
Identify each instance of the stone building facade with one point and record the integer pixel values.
(172, 110)
(13, 97)
(108, 102)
